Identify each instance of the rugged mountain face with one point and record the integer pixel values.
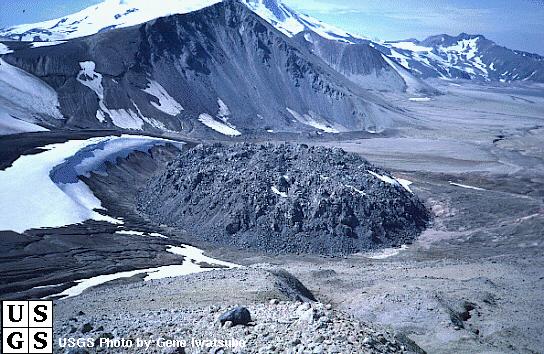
(112, 14)
(462, 57)
(362, 64)
(466, 57)
(222, 69)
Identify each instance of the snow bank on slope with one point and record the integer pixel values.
(393, 181)
(43, 190)
(310, 120)
(30, 199)
(4, 49)
(123, 118)
(219, 127)
(27, 91)
(10, 125)
(46, 44)
(192, 258)
(167, 103)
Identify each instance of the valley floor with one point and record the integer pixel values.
(473, 282)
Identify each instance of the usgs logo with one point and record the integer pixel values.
(27, 327)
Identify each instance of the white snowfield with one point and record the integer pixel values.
(26, 94)
(28, 193)
(220, 127)
(167, 104)
(193, 257)
(10, 125)
(462, 55)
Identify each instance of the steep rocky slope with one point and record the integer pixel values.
(363, 64)
(221, 70)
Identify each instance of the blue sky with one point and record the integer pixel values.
(518, 24)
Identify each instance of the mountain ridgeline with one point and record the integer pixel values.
(219, 70)
(466, 56)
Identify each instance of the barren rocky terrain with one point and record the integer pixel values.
(472, 282)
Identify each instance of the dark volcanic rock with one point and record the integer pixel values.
(238, 316)
(283, 199)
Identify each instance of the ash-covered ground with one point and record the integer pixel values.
(472, 282)
(284, 198)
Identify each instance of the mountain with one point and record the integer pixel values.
(471, 57)
(112, 14)
(221, 70)
(363, 65)
(466, 56)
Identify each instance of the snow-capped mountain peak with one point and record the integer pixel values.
(112, 14)
(107, 15)
(465, 56)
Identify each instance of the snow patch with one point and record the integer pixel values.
(193, 257)
(356, 190)
(167, 104)
(223, 112)
(384, 178)
(275, 190)
(27, 91)
(386, 253)
(420, 99)
(405, 184)
(10, 125)
(412, 84)
(310, 120)
(139, 233)
(4, 49)
(46, 43)
(220, 127)
(466, 186)
(123, 118)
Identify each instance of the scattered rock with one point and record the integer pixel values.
(238, 316)
(86, 328)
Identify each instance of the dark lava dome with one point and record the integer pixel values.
(283, 199)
